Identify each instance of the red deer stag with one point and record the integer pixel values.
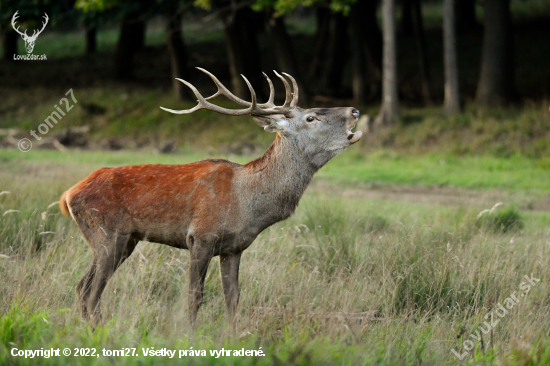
(213, 207)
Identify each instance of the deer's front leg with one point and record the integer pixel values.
(229, 269)
(200, 259)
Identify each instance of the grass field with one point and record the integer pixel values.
(382, 233)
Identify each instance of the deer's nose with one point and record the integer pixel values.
(355, 113)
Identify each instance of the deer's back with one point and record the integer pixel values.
(160, 203)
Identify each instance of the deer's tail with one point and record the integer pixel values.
(63, 204)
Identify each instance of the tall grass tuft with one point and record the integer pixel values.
(504, 220)
(22, 325)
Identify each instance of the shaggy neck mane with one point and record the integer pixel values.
(282, 173)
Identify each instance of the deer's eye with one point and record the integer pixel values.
(310, 119)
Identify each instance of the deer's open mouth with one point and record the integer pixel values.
(353, 137)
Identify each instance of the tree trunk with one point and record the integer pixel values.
(496, 82)
(422, 52)
(127, 44)
(390, 104)
(243, 51)
(338, 54)
(359, 81)
(359, 84)
(406, 26)
(452, 92)
(177, 53)
(140, 28)
(234, 57)
(322, 16)
(370, 39)
(251, 48)
(9, 43)
(284, 52)
(466, 15)
(91, 40)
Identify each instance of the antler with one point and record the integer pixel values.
(222, 90)
(24, 34)
(15, 16)
(264, 109)
(36, 33)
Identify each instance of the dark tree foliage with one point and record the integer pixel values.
(366, 35)
(91, 40)
(284, 51)
(177, 52)
(338, 53)
(241, 38)
(466, 20)
(132, 17)
(92, 21)
(322, 36)
(127, 45)
(9, 44)
(347, 49)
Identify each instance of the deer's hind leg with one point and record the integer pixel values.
(83, 290)
(109, 251)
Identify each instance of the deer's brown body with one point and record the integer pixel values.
(212, 207)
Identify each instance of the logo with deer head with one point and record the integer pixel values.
(29, 40)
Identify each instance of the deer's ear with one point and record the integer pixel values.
(271, 123)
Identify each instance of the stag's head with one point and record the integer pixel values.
(321, 133)
(29, 40)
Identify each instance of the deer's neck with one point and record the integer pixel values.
(276, 181)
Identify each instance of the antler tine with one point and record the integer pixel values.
(195, 108)
(204, 104)
(295, 93)
(36, 33)
(222, 90)
(46, 18)
(13, 19)
(287, 88)
(253, 104)
(269, 102)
